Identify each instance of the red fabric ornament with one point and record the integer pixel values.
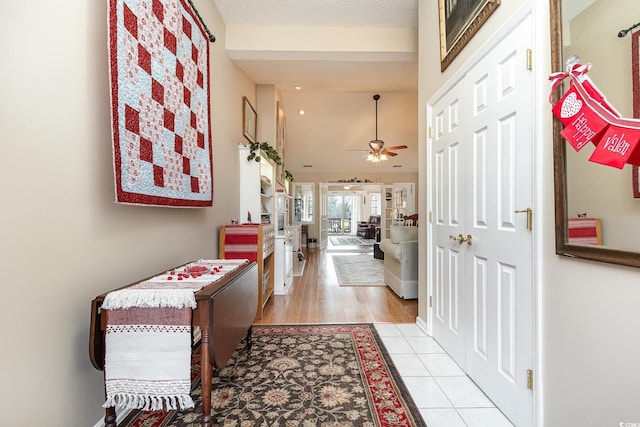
(616, 146)
(587, 116)
(582, 124)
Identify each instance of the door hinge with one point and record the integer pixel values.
(529, 59)
(430, 217)
(529, 379)
(430, 132)
(430, 301)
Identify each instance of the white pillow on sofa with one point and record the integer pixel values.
(403, 233)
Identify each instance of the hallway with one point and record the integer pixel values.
(445, 396)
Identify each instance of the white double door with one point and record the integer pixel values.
(481, 174)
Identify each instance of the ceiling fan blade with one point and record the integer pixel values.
(389, 153)
(397, 147)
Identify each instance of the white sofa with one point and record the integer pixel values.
(401, 260)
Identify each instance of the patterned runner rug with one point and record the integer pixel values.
(312, 375)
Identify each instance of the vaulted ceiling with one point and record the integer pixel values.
(339, 53)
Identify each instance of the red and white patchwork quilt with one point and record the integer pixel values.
(159, 70)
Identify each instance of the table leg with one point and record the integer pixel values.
(110, 417)
(205, 373)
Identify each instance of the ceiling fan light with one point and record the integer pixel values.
(370, 157)
(376, 144)
(383, 156)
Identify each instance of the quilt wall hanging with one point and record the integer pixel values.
(159, 73)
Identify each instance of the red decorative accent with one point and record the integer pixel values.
(587, 116)
(146, 150)
(157, 91)
(616, 146)
(178, 144)
(144, 59)
(130, 21)
(158, 176)
(585, 231)
(241, 241)
(187, 97)
(170, 41)
(186, 166)
(132, 118)
(158, 10)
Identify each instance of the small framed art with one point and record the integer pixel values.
(249, 120)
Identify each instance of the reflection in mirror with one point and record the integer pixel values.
(303, 202)
(588, 29)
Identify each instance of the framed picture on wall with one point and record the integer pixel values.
(459, 21)
(249, 120)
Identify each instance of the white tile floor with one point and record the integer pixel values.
(445, 396)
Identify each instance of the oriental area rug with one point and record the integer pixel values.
(300, 375)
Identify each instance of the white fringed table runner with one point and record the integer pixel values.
(148, 337)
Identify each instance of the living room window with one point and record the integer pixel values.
(374, 202)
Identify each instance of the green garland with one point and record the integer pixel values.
(269, 151)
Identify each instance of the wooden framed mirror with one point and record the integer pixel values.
(620, 217)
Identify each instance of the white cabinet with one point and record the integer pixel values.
(399, 201)
(283, 276)
(257, 199)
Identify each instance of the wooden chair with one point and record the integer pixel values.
(411, 219)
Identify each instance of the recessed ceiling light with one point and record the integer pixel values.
(298, 87)
(301, 112)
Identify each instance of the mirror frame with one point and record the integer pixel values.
(595, 253)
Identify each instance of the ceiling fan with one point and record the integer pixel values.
(378, 151)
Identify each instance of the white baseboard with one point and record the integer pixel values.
(422, 325)
(120, 416)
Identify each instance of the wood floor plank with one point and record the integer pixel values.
(316, 297)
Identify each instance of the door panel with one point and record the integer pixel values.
(448, 208)
(482, 174)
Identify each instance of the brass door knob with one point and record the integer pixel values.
(461, 239)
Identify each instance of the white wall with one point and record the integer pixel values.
(62, 239)
(588, 321)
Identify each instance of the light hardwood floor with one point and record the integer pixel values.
(316, 297)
